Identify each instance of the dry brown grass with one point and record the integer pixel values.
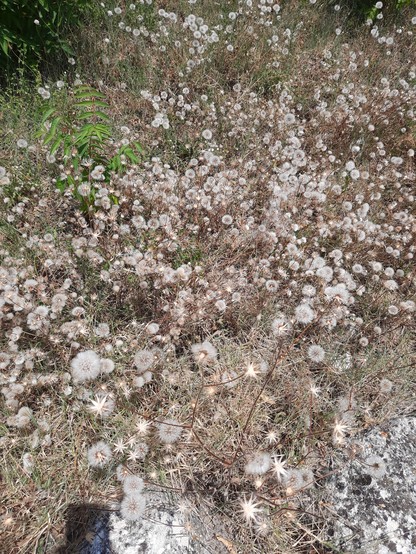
(222, 426)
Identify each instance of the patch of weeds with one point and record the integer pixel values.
(20, 186)
(10, 237)
(191, 255)
(148, 13)
(264, 82)
(180, 150)
(20, 111)
(131, 72)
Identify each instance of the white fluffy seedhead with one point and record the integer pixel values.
(143, 360)
(86, 366)
(99, 454)
(169, 431)
(258, 464)
(133, 485)
(204, 353)
(132, 507)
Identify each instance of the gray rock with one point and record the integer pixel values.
(373, 491)
(165, 530)
(162, 531)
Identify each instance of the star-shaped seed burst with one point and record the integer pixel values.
(250, 509)
(251, 371)
(142, 426)
(272, 437)
(101, 406)
(120, 446)
(279, 467)
(339, 431)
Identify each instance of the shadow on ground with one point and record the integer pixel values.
(87, 530)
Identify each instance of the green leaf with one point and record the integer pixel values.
(89, 94)
(47, 115)
(5, 45)
(138, 147)
(86, 87)
(99, 135)
(88, 115)
(115, 163)
(91, 103)
(61, 185)
(56, 144)
(52, 130)
(66, 48)
(133, 158)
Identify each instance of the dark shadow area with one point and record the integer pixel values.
(87, 530)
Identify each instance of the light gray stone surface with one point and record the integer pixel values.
(165, 530)
(162, 533)
(376, 515)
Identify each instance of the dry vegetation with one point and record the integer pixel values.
(246, 304)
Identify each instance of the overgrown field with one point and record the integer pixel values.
(207, 265)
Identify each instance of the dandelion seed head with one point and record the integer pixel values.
(207, 134)
(106, 366)
(204, 353)
(22, 143)
(375, 466)
(258, 463)
(386, 386)
(99, 454)
(143, 360)
(169, 431)
(86, 366)
(281, 326)
(122, 472)
(304, 314)
(133, 485)
(132, 507)
(316, 353)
